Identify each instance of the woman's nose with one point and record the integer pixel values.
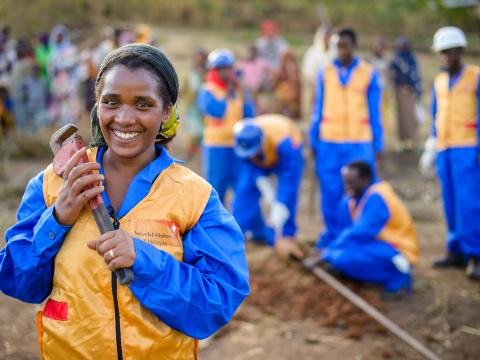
(126, 115)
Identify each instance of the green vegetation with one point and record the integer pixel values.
(415, 18)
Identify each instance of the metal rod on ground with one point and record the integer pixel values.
(374, 313)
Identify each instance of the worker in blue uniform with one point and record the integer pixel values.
(377, 242)
(269, 145)
(346, 124)
(223, 103)
(456, 113)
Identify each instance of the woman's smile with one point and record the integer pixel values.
(126, 135)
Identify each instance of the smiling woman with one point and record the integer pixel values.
(186, 251)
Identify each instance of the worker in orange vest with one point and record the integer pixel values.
(376, 242)
(346, 124)
(456, 111)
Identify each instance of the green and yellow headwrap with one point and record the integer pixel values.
(135, 55)
(169, 129)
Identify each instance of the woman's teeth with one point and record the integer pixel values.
(126, 135)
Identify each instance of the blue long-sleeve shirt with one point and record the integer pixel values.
(451, 83)
(374, 95)
(372, 219)
(210, 105)
(289, 170)
(195, 297)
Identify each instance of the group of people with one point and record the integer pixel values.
(186, 251)
(242, 149)
(269, 73)
(43, 81)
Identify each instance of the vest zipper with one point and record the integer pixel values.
(118, 332)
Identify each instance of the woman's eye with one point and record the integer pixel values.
(111, 102)
(143, 105)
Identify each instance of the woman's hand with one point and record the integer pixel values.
(80, 185)
(117, 249)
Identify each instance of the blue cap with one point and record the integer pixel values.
(248, 139)
(220, 58)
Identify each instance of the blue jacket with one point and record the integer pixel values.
(210, 283)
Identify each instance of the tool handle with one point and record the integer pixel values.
(103, 220)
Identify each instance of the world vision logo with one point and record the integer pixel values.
(158, 233)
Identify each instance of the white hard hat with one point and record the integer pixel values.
(449, 37)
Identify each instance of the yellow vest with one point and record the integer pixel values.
(399, 231)
(456, 118)
(345, 108)
(82, 282)
(219, 132)
(276, 128)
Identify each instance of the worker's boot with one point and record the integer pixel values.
(473, 269)
(451, 260)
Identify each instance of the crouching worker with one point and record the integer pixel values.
(269, 145)
(377, 242)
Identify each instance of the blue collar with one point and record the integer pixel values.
(143, 180)
(355, 61)
(452, 80)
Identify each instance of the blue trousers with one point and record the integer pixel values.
(246, 204)
(219, 167)
(368, 260)
(329, 160)
(459, 173)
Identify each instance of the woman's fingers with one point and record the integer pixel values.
(106, 246)
(73, 161)
(116, 248)
(94, 244)
(90, 194)
(85, 182)
(81, 170)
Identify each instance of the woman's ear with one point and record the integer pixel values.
(166, 113)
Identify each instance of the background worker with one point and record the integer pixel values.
(269, 145)
(456, 113)
(346, 123)
(407, 86)
(223, 103)
(377, 242)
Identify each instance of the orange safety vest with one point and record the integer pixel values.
(219, 132)
(399, 231)
(78, 319)
(456, 118)
(276, 128)
(345, 108)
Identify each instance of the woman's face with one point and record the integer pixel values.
(131, 111)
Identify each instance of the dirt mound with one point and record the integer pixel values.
(285, 290)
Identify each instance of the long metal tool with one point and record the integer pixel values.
(374, 313)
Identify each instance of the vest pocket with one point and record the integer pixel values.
(56, 310)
